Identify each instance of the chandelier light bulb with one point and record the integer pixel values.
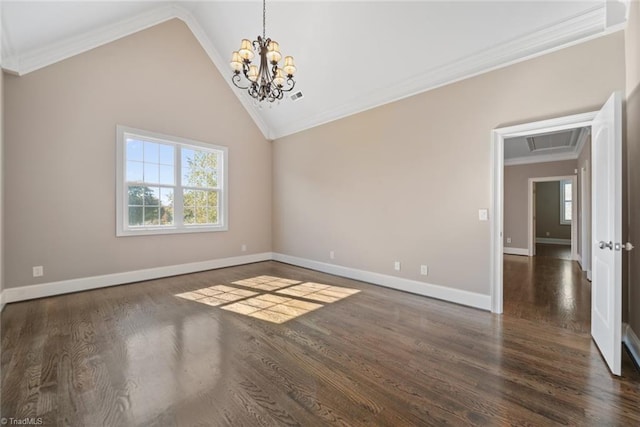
(246, 50)
(236, 61)
(273, 52)
(279, 78)
(289, 68)
(253, 73)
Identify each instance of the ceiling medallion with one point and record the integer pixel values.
(266, 82)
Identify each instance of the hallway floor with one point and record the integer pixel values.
(548, 288)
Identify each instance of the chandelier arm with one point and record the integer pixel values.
(237, 79)
(292, 83)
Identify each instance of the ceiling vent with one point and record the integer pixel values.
(296, 96)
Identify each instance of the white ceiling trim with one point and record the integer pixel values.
(554, 37)
(55, 52)
(222, 66)
(541, 159)
(586, 26)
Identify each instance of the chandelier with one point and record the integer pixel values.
(267, 81)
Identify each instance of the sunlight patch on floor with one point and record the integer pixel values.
(217, 295)
(278, 301)
(319, 292)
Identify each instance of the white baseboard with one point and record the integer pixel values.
(1, 301)
(457, 296)
(444, 293)
(516, 251)
(551, 241)
(41, 290)
(630, 339)
(579, 259)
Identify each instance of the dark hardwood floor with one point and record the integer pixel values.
(197, 350)
(548, 288)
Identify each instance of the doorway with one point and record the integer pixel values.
(606, 222)
(544, 283)
(499, 137)
(553, 213)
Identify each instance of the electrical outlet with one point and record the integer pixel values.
(396, 266)
(424, 270)
(483, 214)
(38, 271)
(243, 248)
(548, 234)
(508, 239)
(332, 255)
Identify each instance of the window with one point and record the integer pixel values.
(566, 199)
(167, 184)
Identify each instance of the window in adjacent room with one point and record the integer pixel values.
(566, 200)
(167, 184)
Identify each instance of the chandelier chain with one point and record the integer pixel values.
(264, 19)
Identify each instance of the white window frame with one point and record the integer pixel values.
(563, 220)
(122, 194)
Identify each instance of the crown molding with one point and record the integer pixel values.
(36, 59)
(578, 29)
(222, 66)
(541, 159)
(48, 55)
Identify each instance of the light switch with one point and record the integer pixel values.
(483, 214)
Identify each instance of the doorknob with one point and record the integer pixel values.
(603, 245)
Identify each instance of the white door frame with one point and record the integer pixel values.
(497, 191)
(574, 212)
(585, 217)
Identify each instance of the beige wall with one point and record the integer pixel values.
(584, 162)
(548, 212)
(405, 181)
(60, 144)
(516, 197)
(632, 38)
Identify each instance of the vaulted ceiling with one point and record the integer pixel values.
(351, 56)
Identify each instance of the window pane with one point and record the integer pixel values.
(201, 215)
(134, 171)
(134, 150)
(212, 198)
(166, 175)
(567, 191)
(151, 196)
(189, 215)
(151, 216)
(151, 173)
(166, 215)
(166, 196)
(213, 216)
(151, 152)
(135, 216)
(136, 196)
(567, 211)
(166, 154)
(199, 168)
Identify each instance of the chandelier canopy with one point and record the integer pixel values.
(266, 82)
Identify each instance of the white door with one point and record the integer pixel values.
(606, 286)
